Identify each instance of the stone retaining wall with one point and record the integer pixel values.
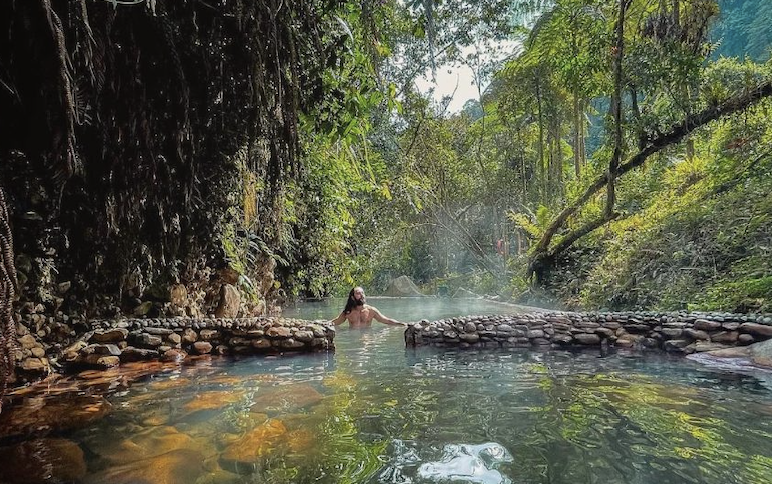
(675, 332)
(110, 343)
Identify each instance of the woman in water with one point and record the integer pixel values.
(359, 314)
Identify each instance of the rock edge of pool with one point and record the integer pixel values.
(110, 343)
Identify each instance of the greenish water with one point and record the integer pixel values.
(376, 412)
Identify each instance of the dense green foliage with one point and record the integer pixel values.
(147, 143)
(287, 146)
(697, 232)
(686, 223)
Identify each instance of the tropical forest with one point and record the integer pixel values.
(564, 205)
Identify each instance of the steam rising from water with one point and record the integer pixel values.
(410, 309)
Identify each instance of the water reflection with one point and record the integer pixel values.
(376, 412)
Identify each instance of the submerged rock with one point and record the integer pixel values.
(168, 384)
(301, 440)
(182, 466)
(147, 445)
(254, 445)
(42, 461)
(286, 398)
(220, 476)
(212, 400)
(41, 416)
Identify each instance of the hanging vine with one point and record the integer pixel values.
(7, 294)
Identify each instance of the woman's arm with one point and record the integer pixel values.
(383, 319)
(339, 320)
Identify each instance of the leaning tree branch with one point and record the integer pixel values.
(577, 234)
(732, 105)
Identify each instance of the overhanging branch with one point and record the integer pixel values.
(674, 135)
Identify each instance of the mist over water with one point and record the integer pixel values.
(407, 309)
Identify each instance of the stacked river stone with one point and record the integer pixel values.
(113, 342)
(683, 332)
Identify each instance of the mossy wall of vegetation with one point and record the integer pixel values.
(144, 144)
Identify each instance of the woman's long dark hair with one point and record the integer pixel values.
(353, 302)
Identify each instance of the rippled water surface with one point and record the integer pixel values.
(376, 412)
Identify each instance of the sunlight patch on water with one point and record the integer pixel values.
(474, 464)
(459, 463)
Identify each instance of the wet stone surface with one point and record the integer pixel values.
(114, 342)
(683, 333)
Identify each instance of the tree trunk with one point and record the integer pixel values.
(482, 132)
(576, 113)
(540, 151)
(690, 149)
(577, 137)
(523, 167)
(677, 13)
(616, 107)
(583, 134)
(557, 159)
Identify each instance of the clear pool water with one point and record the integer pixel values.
(377, 412)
